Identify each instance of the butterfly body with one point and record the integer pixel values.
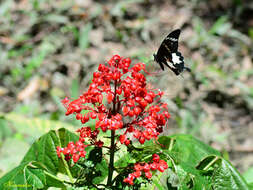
(168, 54)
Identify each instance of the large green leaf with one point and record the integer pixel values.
(41, 163)
(186, 148)
(248, 175)
(26, 176)
(195, 165)
(27, 130)
(102, 168)
(226, 177)
(44, 151)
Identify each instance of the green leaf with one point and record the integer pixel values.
(251, 186)
(251, 33)
(124, 160)
(119, 7)
(189, 149)
(56, 18)
(165, 141)
(102, 168)
(53, 182)
(5, 130)
(84, 36)
(41, 163)
(66, 136)
(123, 157)
(157, 183)
(195, 165)
(248, 175)
(25, 176)
(194, 177)
(44, 149)
(226, 177)
(35, 177)
(74, 89)
(221, 26)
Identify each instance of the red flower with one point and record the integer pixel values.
(138, 167)
(122, 138)
(110, 97)
(153, 166)
(148, 174)
(142, 139)
(76, 157)
(162, 165)
(82, 154)
(99, 143)
(157, 164)
(137, 173)
(127, 142)
(146, 167)
(156, 157)
(125, 110)
(137, 110)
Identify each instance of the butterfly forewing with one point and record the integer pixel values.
(171, 41)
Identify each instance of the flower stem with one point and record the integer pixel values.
(171, 144)
(211, 163)
(53, 176)
(112, 147)
(111, 164)
(67, 168)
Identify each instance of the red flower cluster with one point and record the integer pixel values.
(119, 90)
(157, 164)
(74, 150)
(149, 126)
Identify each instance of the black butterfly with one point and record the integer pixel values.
(167, 54)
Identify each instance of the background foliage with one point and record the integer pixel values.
(49, 48)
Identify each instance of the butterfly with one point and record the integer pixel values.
(168, 54)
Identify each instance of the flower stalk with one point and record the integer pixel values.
(112, 147)
(111, 163)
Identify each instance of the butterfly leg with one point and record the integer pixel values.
(187, 69)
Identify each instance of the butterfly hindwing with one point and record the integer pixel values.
(163, 54)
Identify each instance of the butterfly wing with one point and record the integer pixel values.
(168, 46)
(171, 41)
(162, 56)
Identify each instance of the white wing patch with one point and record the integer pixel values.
(171, 64)
(171, 39)
(175, 59)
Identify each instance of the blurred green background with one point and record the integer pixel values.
(49, 49)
